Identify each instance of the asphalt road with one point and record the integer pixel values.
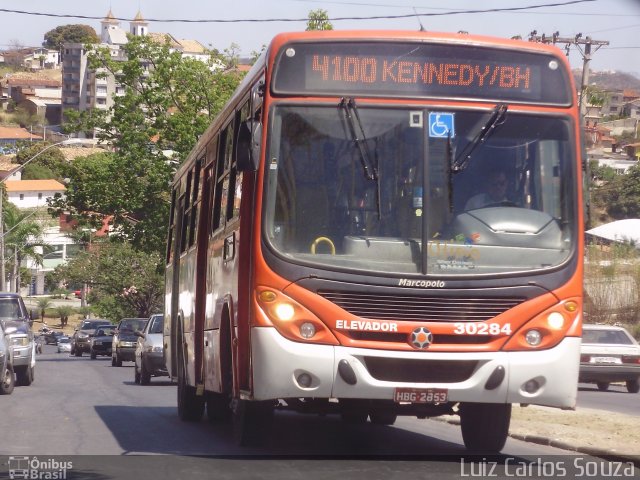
(616, 399)
(92, 411)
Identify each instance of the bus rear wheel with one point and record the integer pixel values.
(190, 405)
(485, 426)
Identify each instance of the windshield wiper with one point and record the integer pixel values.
(359, 138)
(495, 120)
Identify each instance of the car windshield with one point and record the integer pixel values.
(106, 331)
(617, 337)
(156, 324)
(375, 189)
(91, 324)
(133, 324)
(64, 340)
(10, 308)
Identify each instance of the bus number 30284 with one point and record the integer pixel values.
(461, 328)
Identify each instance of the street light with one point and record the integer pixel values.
(70, 141)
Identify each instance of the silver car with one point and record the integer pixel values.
(609, 354)
(15, 316)
(7, 378)
(149, 354)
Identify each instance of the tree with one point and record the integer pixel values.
(319, 20)
(622, 195)
(50, 162)
(21, 235)
(168, 102)
(43, 304)
(54, 39)
(124, 282)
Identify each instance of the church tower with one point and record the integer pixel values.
(138, 26)
(108, 23)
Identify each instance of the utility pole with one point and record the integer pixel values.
(579, 42)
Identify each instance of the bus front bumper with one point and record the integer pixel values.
(547, 377)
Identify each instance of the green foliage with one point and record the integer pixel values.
(319, 20)
(622, 195)
(123, 281)
(603, 173)
(50, 159)
(54, 39)
(37, 172)
(43, 304)
(168, 102)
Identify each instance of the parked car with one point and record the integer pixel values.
(83, 333)
(7, 377)
(52, 336)
(123, 345)
(64, 344)
(14, 314)
(149, 354)
(609, 354)
(101, 341)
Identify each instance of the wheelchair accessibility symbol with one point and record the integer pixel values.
(441, 125)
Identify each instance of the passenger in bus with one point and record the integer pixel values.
(495, 192)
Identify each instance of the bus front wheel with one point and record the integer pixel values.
(485, 426)
(251, 421)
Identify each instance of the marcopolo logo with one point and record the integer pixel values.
(33, 468)
(405, 282)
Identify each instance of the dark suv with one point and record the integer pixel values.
(81, 339)
(123, 348)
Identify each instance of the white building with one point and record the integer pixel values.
(32, 193)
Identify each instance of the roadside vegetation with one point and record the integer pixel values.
(612, 286)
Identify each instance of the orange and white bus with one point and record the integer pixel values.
(325, 255)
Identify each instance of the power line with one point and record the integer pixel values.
(267, 20)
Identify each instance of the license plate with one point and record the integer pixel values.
(421, 395)
(606, 360)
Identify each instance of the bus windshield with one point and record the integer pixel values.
(410, 191)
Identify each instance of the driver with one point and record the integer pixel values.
(495, 192)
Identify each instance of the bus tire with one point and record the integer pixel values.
(190, 405)
(353, 412)
(218, 407)
(382, 417)
(485, 426)
(251, 422)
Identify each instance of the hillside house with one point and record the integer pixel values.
(32, 193)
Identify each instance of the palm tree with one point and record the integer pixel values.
(43, 304)
(23, 232)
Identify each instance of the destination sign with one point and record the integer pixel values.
(420, 70)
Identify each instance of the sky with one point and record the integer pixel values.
(615, 21)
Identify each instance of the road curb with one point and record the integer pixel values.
(609, 455)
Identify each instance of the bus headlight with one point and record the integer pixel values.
(533, 337)
(284, 311)
(290, 318)
(555, 320)
(548, 328)
(307, 330)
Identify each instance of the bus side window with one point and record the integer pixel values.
(225, 151)
(195, 201)
(184, 200)
(172, 227)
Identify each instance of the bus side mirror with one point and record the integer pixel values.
(248, 148)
